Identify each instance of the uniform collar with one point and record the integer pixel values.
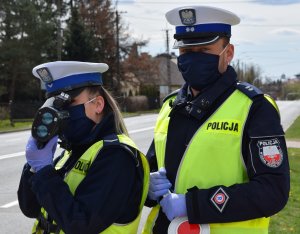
(104, 128)
(206, 98)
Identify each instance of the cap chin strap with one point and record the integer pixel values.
(180, 44)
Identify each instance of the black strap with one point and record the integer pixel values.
(113, 140)
(47, 226)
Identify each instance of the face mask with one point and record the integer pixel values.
(79, 125)
(198, 69)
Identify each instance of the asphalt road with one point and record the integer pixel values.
(12, 160)
(289, 111)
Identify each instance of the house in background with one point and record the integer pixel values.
(152, 77)
(130, 85)
(168, 83)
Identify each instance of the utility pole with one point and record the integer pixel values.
(118, 49)
(118, 74)
(282, 78)
(168, 62)
(59, 30)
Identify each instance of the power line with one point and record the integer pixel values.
(263, 51)
(280, 64)
(190, 3)
(270, 25)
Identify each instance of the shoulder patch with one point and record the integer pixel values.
(270, 152)
(248, 89)
(171, 95)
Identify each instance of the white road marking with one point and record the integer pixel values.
(5, 156)
(14, 139)
(141, 130)
(8, 205)
(18, 154)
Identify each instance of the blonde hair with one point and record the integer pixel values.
(111, 106)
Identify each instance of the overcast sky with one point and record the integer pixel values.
(268, 35)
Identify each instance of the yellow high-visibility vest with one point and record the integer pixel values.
(78, 173)
(213, 157)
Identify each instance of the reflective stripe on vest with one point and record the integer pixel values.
(78, 173)
(271, 100)
(213, 157)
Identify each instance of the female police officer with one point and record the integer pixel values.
(99, 184)
(220, 141)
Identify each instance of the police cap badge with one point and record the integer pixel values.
(200, 25)
(62, 76)
(44, 74)
(187, 16)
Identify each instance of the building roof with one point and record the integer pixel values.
(176, 77)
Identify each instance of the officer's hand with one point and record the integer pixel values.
(159, 184)
(39, 158)
(174, 205)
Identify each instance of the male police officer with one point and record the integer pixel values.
(218, 143)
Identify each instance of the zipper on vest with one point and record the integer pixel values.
(183, 157)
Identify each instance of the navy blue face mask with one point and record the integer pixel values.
(78, 125)
(198, 69)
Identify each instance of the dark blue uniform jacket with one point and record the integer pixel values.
(110, 193)
(267, 191)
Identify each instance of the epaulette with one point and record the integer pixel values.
(113, 141)
(248, 89)
(171, 94)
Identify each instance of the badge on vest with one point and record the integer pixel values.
(270, 152)
(224, 126)
(219, 199)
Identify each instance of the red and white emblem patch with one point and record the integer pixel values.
(270, 152)
(219, 199)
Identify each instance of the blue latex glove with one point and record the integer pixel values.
(159, 184)
(174, 205)
(39, 158)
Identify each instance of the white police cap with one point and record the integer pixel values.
(200, 25)
(61, 76)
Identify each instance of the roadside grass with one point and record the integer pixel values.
(5, 125)
(293, 133)
(288, 220)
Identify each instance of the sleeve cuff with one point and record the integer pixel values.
(39, 179)
(192, 205)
